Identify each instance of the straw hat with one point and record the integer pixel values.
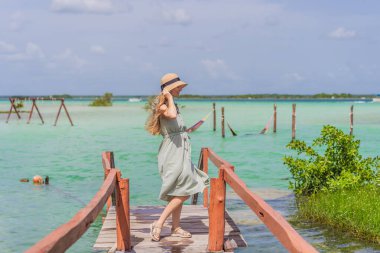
(170, 81)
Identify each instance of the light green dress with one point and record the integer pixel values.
(179, 175)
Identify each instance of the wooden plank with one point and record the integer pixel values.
(193, 218)
(232, 231)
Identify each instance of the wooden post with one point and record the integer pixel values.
(34, 105)
(39, 114)
(214, 113)
(194, 197)
(223, 131)
(109, 200)
(123, 231)
(352, 120)
(13, 106)
(112, 164)
(294, 122)
(67, 112)
(275, 118)
(205, 170)
(112, 198)
(31, 112)
(59, 111)
(216, 212)
(201, 162)
(203, 166)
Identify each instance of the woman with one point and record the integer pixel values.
(180, 178)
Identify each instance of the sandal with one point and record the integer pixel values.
(179, 232)
(155, 232)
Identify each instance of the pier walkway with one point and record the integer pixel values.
(126, 228)
(194, 219)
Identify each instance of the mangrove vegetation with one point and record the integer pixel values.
(335, 185)
(105, 100)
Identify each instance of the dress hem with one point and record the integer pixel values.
(181, 195)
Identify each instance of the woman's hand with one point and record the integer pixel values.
(167, 94)
(168, 110)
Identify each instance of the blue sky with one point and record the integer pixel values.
(90, 47)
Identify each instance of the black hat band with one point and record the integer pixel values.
(169, 82)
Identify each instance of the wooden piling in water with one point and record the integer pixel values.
(274, 118)
(352, 120)
(294, 121)
(34, 105)
(67, 113)
(13, 106)
(223, 130)
(214, 113)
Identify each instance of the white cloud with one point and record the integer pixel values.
(17, 21)
(6, 47)
(218, 69)
(294, 77)
(32, 52)
(85, 6)
(178, 16)
(97, 49)
(342, 33)
(71, 58)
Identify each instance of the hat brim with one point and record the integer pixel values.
(174, 85)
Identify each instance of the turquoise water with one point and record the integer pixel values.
(71, 157)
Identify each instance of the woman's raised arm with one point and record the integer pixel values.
(169, 110)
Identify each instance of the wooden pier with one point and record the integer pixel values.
(126, 228)
(194, 219)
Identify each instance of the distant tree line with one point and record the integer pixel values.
(279, 96)
(244, 96)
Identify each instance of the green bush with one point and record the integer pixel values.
(19, 104)
(339, 167)
(106, 100)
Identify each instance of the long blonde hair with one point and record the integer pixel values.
(152, 124)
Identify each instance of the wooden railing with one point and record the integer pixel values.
(67, 234)
(277, 224)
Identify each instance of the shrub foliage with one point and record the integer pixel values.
(106, 100)
(340, 166)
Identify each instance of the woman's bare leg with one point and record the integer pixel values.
(176, 217)
(173, 204)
